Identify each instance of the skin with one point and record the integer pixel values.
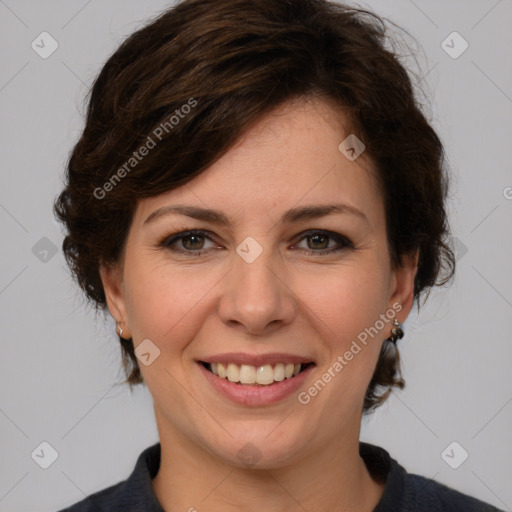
(287, 300)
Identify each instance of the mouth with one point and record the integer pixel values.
(250, 375)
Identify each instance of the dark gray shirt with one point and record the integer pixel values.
(404, 492)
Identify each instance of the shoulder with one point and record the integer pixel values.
(110, 498)
(433, 496)
(407, 492)
(134, 493)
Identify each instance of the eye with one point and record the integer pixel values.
(191, 242)
(319, 242)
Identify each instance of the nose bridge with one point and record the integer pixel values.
(254, 278)
(256, 295)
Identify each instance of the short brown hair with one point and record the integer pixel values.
(237, 61)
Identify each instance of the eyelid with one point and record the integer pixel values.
(332, 234)
(342, 240)
(169, 239)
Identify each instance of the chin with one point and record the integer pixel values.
(258, 450)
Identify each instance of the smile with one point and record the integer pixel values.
(264, 375)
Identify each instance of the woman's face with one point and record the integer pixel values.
(279, 281)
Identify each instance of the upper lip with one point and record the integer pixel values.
(256, 360)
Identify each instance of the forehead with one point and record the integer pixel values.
(288, 157)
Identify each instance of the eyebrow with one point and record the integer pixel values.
(291, 216)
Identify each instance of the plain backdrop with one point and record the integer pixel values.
(60, 364)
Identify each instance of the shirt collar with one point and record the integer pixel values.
(141, 496)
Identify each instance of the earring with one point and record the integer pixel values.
(119, 330)
(396, 332)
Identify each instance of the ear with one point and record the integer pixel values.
(111, 277)
(402, 284)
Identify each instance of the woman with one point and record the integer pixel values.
(259, 201)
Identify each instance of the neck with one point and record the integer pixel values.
(331, 478)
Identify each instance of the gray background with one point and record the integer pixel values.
(60, 363)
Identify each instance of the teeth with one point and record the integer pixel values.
(233, 372)
(264, 375)
(248, 374)
(279, 372)
(222, 371)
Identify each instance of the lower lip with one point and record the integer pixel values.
(256, 395)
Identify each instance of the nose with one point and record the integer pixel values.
(257, 299)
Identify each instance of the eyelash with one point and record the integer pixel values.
(169, 240)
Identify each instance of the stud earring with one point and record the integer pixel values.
(396, 332)
(119, 330)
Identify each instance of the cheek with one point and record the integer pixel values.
(166, 302)
(346, 304)
(346, 299)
